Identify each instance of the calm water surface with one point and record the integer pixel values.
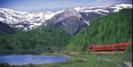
(32, 59)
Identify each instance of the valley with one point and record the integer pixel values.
(70, 36)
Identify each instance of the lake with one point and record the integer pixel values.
(32, 59)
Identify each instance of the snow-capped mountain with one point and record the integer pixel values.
(24, 20)
(70, 20)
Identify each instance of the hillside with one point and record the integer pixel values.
(5, 29)
(38, 39)
(113, 28)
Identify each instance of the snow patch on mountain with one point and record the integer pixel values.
(30, 20)
(117, 8)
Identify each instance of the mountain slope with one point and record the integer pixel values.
(5, 29)
(69, 21)
(113, 28)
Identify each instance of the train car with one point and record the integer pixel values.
(102, 48)
(110, 47)
(122, 46)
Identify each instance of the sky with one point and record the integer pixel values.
(45, 5)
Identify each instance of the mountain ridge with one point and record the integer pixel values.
(81, 15)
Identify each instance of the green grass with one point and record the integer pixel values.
(91, 60)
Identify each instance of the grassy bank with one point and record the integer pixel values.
(93, 60)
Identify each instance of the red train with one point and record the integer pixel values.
(110, 47)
